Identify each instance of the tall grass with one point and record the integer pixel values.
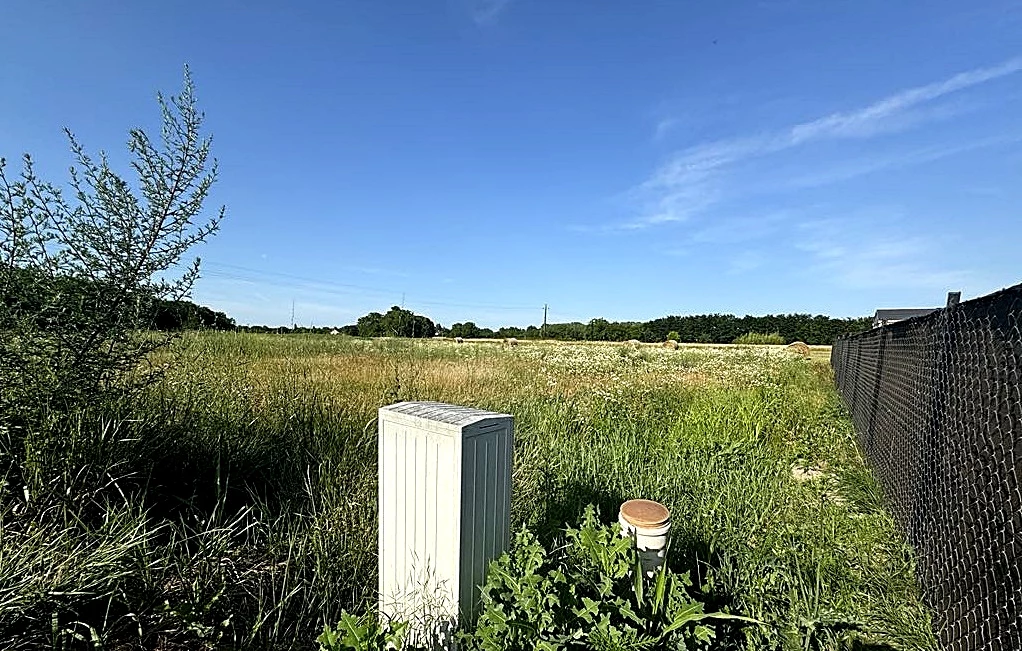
(235, 505)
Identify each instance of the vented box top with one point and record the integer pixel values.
(456, 416)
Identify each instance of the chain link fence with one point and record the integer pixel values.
(937, 404)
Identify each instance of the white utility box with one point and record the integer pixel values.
(445, 507)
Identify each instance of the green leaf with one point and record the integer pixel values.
(660, 590)
(638, 580)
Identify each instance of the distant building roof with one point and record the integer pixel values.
(883, 317)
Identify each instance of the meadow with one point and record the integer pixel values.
(237, 500)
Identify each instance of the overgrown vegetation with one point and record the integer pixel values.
(588, 591)
(84, 268)
(257, 455)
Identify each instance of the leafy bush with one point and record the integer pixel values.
(364, 633)
(760, 338)
(674, 335)
(588, 593)
(79, 275)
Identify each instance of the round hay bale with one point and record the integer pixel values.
(635, 343)
(672, 344)
(799, 347)
(459, 340)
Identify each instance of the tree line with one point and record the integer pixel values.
(703, 328)
(49, 302)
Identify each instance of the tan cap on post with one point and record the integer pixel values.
(645, 513)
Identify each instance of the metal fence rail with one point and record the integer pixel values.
(937, 404)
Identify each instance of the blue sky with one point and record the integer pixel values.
(476, 159)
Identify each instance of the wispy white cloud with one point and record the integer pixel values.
(694, 179)
(870, 120)
(486, 12)
(745, 261)
(852, 169)
(743, 229)
(856, 258)
(663, 127)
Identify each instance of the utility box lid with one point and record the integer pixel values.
(452, 419)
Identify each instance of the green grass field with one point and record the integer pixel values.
(248, 478)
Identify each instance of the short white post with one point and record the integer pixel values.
(444, 510)
(650, 524)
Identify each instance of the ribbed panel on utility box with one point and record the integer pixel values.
(445, 507)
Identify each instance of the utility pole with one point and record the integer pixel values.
(403, 315)
(543, 331)
(292, 314)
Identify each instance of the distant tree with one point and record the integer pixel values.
(467, 330)
(185, 315)
(673, 335)
(597, 330)
(623, 331)
(423, 327)
(371, 325)
(566, 331)
(397, 322)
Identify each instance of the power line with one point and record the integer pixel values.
(329, 286)
(340, 289)
(560, 317)
(280, 274)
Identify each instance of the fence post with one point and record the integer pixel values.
(874, 400)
